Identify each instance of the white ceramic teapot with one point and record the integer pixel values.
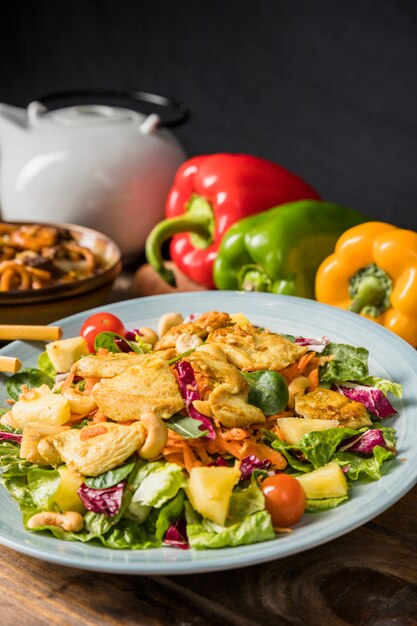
(106, 167)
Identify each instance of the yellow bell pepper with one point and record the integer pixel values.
(373, 271)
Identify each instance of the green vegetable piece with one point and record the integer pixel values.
(160, 485)
(111, 478)
(43, 484)
(107, 340)
(360, 467)
(187, 427)
(350, 363)
(31, 377)
(168, 514)
(244, 502)
(386, 386)
(44, 363)
(325, 504)
(268, 391)
(205, 534)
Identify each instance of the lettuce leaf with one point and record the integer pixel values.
(350, 363)
(384, 385)
(169, 513)
(324, 504)
(159, 485)
(42, 484)
(359, 467)
(204, 534)
(287, 450)
(244, 502)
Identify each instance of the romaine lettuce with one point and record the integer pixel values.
(205, 534)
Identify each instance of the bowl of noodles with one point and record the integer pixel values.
(48, 271)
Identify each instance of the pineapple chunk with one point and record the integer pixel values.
(65, 352)
(209, 490)
(294, 428)
(66, 495)
(240, 319)
(325, 482)
(49, 408)
(33, 432)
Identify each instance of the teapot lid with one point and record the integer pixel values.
(93, 115)
(88, 114)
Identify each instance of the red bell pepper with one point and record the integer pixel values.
(210, 193)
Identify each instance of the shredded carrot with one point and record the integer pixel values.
(203, 456)
(99, 416)
(290, 372)
(189, 458)
(314, 380)
(305, 360)
(126, 422)
(232, 447)
(102, 352)
(92, 431)
(236, 434)
(67, 382)
(171, 450)
(263, 452)
(175, 458)
(77, 417)
(89, 384)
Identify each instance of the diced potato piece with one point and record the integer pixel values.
(294, 428)
(325, 482)
(50, 409)
(66, 495)
(240, 319)
(209, 490)
(33, 432)
(65, 352)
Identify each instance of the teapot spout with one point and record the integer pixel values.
(12, 119)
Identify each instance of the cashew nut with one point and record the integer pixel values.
(203, 406)
(48, 451)
(187, 342)
(148, 335)
(167, 321)
(156, 437)
(213, 350)
(79, 403)
(298, 386)
(69, 521)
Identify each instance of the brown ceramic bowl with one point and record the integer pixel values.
(42, 306)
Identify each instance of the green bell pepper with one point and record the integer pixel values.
(280, 250)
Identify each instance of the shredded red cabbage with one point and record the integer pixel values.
(366, 442)
(11, 437)
(122, 344)
(372, 398)
(317, 345)
(106, 501)
(219, 462)
(189, 391)
(130, 335)
(251, 463)
(176, 536)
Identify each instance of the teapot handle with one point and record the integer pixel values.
(182, 110)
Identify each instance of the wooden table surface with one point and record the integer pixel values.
(365, 578)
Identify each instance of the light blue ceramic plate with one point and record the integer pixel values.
(390, 357)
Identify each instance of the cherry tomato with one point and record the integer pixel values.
(99, 323)
(285, 499)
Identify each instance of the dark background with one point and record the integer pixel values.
(326, 88)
